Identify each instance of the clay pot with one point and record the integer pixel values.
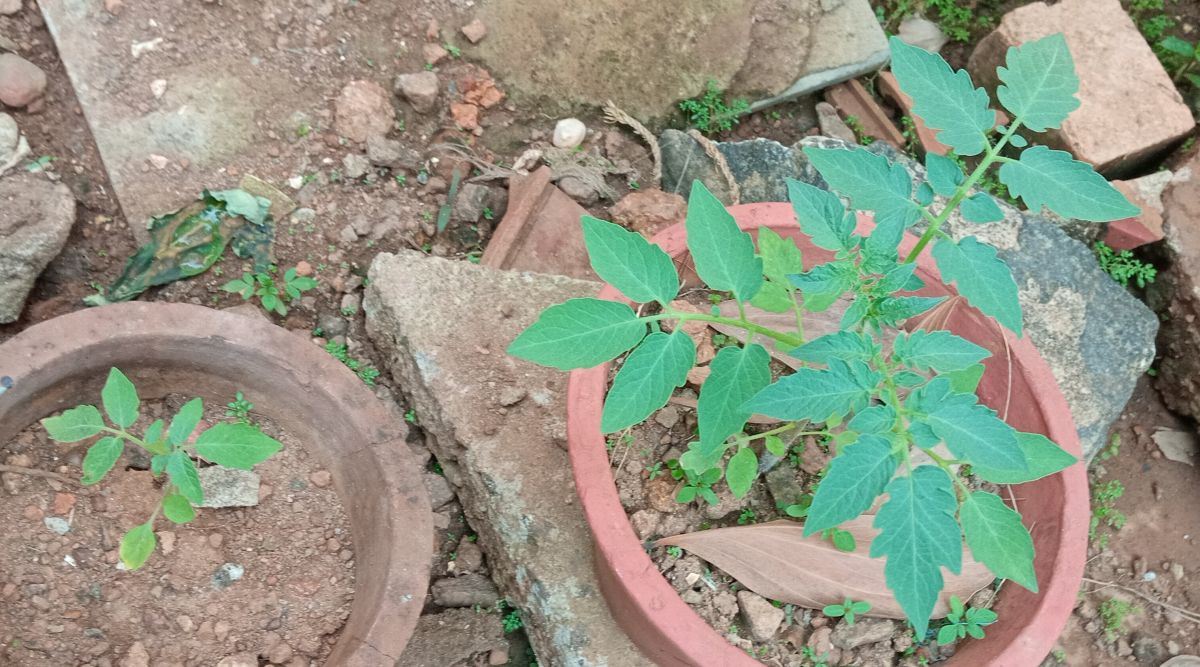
(203, 352)
(1055, 508)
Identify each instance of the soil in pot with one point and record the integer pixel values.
(63, 600)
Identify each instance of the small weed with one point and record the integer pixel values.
(808, 653)
(746, 517)
(848, 609)
(453, 50)
(512, 621)
(962, 622)
(401, 179)
(1113, 613)
(675, 552)
(348, 311)
(700, 486)
(1113, 448)
(488, 213)
(710, 113)
(843, 540)
(1123, 266)
(303, 130)
(856, 126)
(362, 369)
(1104, 510)
(634, 184)
(274, 294)
(410, 416)
(655, 470)
(40, 164)
(1183, 56)
(240, 408)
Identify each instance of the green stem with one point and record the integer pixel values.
(989, 157)
(786, 339)
(945, 464)
(783, 429)
(798, 308)
(153, 449)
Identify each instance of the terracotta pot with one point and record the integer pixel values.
(1054, 508)
(203, 352)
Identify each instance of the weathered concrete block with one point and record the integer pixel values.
(1129, 109)
(443, 327)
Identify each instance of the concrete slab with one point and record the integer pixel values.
(497, 426)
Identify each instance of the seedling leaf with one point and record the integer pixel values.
(630, 263)
(723, 253)
(120, 399)
(1072, 189)
(997, 539)
(647, 378)
(236, 445)
(73, 425)
(100, 458)
(579, 333)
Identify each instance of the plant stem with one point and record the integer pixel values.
(992, 155)
(153, 449)
(786, 339)
(783, 429)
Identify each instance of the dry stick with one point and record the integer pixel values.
(33, 472)
(614, 114)
(1189, 615)
(710, 149)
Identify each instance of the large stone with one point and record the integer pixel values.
(848, 636)
(649, 211)
(442, 327)
(21, 82)
(540, 230)
(454, 638)
(762, 618)
(228, 487)
(35, 220)
(759, 167)
(13, 146)
(363, 109)
(767, 51)
(1179, 371)
(420, 89)
(1129, 109)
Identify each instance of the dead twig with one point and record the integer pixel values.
(614, 114)
(487, 170)
(34, 472)
(710, 149)
(1189, 615)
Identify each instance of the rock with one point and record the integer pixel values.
(668, 417)
(440, 493)
(384, 152)
(465, 591)
(57, 525)
(1145, 193)
(762, 618)
(453, 637)
(239, 660)
(649, 211)
(434, 53)
(13, 145)
(8, 7)
(759, 167)
(468, 556)
(474, 31)
(727, 504)
(920, 31)
(848, 636)
(321, 479)
(280, 653)
(136, 656)
(540, 231)
(823, 648)
(769, 52)
(228, 487)
(332, 324)
(1179, 289)
(569, 133)
(832, 125)
(362, 109)
(420, 89)
(471, 201)
(158, 88)
(465, 115)
(21, 82)
(281, 204)
(1147, 650)
(443, 325)
(1129, 110)
(784, 485)
(36, 217)
(355, 165)
(578, 189)
(350, 303)
(223, 578)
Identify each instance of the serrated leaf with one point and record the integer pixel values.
(579, 333)
(647, 378)
(980, 207)
(737, 375)
(945, 99)
(981, 278)
(723, 253)
(974, 433)
(879, 249)
(844, 345)
(924, 194)
(823, 217)
(944, 174)
(184, 476)
(773, 297)
(824, 283)
(919, 537)
(120, 399)
(871, 182)
(158, 463)
(1039, 83)
(154, 432)
(137, 545)
(876, 419)
(901, 277)
(238, 445)
(100, 458)
(185, 421)
(1042, 457)
(908, 379)
(812, 394)
(997, 538)
(1072, 189)
(780, 256)
(73, 425)
(741, 471)
(626, 260)
(177, 509)
(856, 477)
(940, 350)
(891, 310)
(966, 380)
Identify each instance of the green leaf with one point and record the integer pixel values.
(876, 419)
(773, 297)
(75, 424)
(1041, 454)
(158, 463)
(974, 433)
(998, 539)
(1072, 189)
(823, 217)
(966, 380)
(892, 310)
(843, 540)
(184, 476)
(872, 182)
(1039, 83)
(120, 399)
(940, 350)
(741, 471)
(948, 634)
(908, 379)
(901, 278)
(647, 378)
(185, 421)
(237, 286)
(980, 277)
(813, 394)
(723, 253)
(177, 509)
(824, 284)
(775, 445)
(856, 477)
(1178, 46)
(236, 445)
(154, 433)
(100, 458)
(781, 257)
(879, 249)
(686, 494)
(919, 536)
(945, 99)
(137, 545)
(626, 260)
(844, 345)
(579, 333)
(944, 174)
(980, 207)
(737, 375)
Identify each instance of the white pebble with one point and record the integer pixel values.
(569, 133)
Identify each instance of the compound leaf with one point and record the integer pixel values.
(73, 425)
(1041, 454)
(579, 333)
(844, 345)
(940, 350)
(998, 539)
(824, 284)
(236, 445)
(945, 99)
(974, 433)
(872, 182)
(626, 260)
(100, 458)
(737, 375)
(647, 378)
(856, 477)
(723, 254)
(1072, 189)
(773, 297)
(981, 277)
(120, 399)
(1039, 83)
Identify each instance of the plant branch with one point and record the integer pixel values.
(786, 339)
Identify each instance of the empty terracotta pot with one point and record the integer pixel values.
(202, 352)
(1017, 383)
